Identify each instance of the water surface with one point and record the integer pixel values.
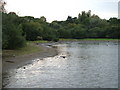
(78, 65)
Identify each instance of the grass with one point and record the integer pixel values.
(28, 49)
(100, 39)
(39, 41)
(67, 39)
(87, 39)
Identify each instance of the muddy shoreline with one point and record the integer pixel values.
(19, 61)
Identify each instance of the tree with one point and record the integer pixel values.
(29, 18)
(69, 19)
(89, 13)
(12, 32)
(55, 25)
(43, 19)
(113, 30)
(78, 32)
(31, 30)
(49, 33)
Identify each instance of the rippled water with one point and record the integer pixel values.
(78, 65)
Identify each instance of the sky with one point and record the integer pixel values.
(61, 9)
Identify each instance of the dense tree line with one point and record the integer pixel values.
(87, 26)
(16, 30)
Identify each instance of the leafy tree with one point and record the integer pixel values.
(31, 30)
(12, 32)
(49, 33)
(43, 19)
(69, 19)
(78, 32)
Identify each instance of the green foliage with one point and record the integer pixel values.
(16, 29)
(113, 32)
(56, 39)
(31, 30)
(49, 34)
(12, 32)
(78, 32)
(88, 26)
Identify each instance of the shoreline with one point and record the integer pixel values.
(98, 40)
(48, 51)
(19, 61)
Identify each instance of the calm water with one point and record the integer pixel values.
(78, 65)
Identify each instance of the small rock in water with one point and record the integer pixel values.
(10, 61)
(24, 67)
(63, 56)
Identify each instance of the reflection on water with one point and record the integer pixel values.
(78, 65)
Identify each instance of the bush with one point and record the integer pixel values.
(12, 33)
(48, 37)
(31, 30)
(12, 37)
(56, 39)
(16, 42)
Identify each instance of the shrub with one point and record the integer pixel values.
(56, 39)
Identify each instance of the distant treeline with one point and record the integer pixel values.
(16, 30)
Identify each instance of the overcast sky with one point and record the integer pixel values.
(60, 9)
